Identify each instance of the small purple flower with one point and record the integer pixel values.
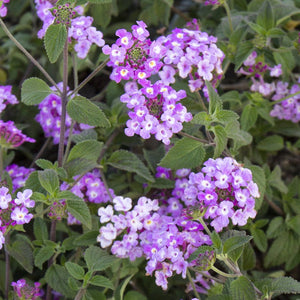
(122, 204)
(139, 31)
(21, 215)
(24, 198)
(105, 213)
(5, 198)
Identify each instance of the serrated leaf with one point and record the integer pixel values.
(33, 183)
(57, 277)
(265, 17)
(243, 51)
(235, 242)
(21, 251)
(75, 270)
(275, 227)
(257, 28)
(40, 229)
(275, 180)
(260, 239)
(271, 143)
(34, 91)
(215, 102)
(43, 255)
(216, 240)
(82, 110)
(98, 259)
(294, 223)
(220, 140)
(285, 285)
(89, 150)
(77, 207)
(128, 161)
(44, 164)
(89, 134)
(186, 153)
(49, 180)
(86, 239)
(54, 41)
(202, 118)
(248, 117)
(101, 281)
(225, 116)
(242, 289)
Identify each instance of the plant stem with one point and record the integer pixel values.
(28, 55)
(284, 98)
(105, 184)
(108, 143)
(80, 294)
(41, 152)
(194, 138)
(204, 226)
(69, 141)
(192, 283)
(201, 101)
(63, 106)
(91, 76)
(228, 15)
(223, 273)
(7, 266)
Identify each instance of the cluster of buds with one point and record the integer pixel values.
(24, 291)
(64, 14)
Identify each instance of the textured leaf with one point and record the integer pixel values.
(235, 242)
(271, 143)
(128, 161)
(134, 295)
(44, 164)
(242, 289)
(40, 229)
(285, 285)
(101, 281)
(226, 116)
(77, 207)
(248, 117)
(220, 140)
(75, 270)
(55, 38)
(49, 180)
(202, 118)
(43, 255)
(265, 17)
(260, 239)
(243, 51)
(215, 102)
(89, 150)
(34, 91)
(89, 134)
(153, 157)
(87, 239)
(216, 240)
(276, 181)
(84, 111)
(186, 153)
(119, 293)
(294, 224)
(275, 227)
(57, 277)
(79, 166)
(247, 260)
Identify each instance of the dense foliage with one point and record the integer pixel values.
(149, 149)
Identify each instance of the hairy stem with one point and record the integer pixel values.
(192, 283)
(223, 273)
(195, 138)
(29, 56)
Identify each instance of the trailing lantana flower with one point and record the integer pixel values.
(6, 97)
(14, 211)
(223, 191)
(50, 115)
(11, 136)
(144, 230)
(24, 291)
(80, 30)
(202, 284)
(19, 175)
(3, 8)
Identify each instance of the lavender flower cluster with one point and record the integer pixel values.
(25, 291)
(6, 97)
(223, 190)
(3, 8)
(288, 109)
(165, 241)
(155, 107)
(211, 2)
(80, 32)
(11, 136)
(49, 118)
(14, 211)
(19, 175)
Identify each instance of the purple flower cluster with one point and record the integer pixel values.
(11, 136)
(3, 8)
(90, 188)
(6, 97)
(165, 241)
(288, 109)
(49, 118)
(223, 190)
(212, 2)
(202, 284)
(14, 211)
(26, 292)
(18, 175)
(80, 33)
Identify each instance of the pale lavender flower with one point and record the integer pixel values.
(20, 215)
(5, 198)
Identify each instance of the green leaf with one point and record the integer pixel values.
(55, 39)
(242, 289)
(265, 17)
(40, 229)
(294, 223)
(243, 51)
(101, 281)
(75, 270)
(202, 118)
(257, 28)
(57, 277)
(235, 242)
(216, 240)
(220, 140)
(247, 260)
(49, 180)
(100, 1)
(102, 13)
(276, 32)
(33, 183)
(285, 285)
(260, 239)
(89, 134)
(79, 166)
(275, 227)
(119, 292)
(271, 143)
(44, 164)
(43, 255)
(89, 150)
(134, 295)
(153, 157)
(98, 259)
(200, 250)
(128, 161)
(21, 251)
(84, 111)
(77, 207)
(215, 102)
(186, 153)
(87, 239)
(248, 117)
(276, 181)
(225, 116)
(34, 91)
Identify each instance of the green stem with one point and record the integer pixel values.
(284, 98)
(28, 55)
(223, 273)
(195, 138)
(91, 76)
(201, 101)
(192, 283)
(80, 293)
(228, 15)
(204, 226)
